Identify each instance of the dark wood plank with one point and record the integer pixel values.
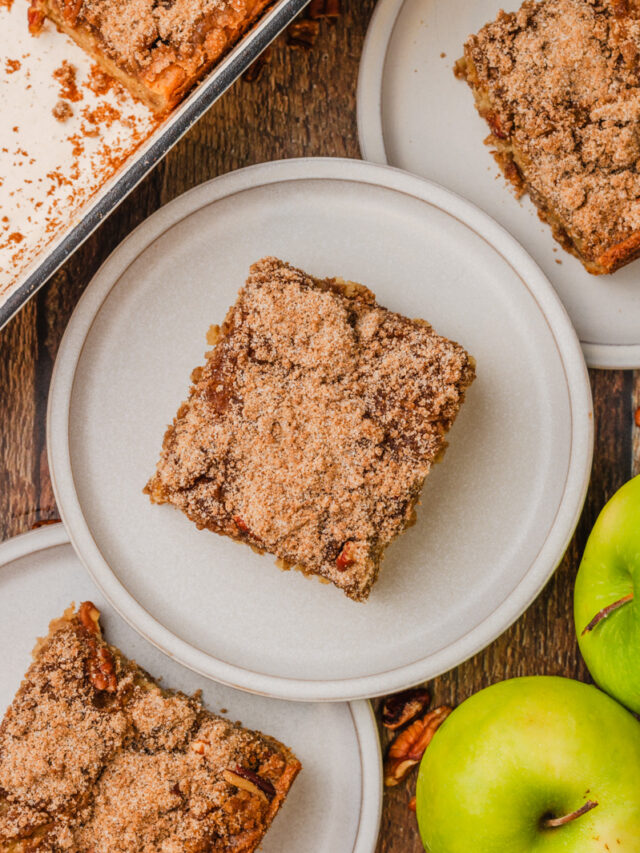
(302, 105)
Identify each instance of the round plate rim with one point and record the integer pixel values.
(364, 721)
(372, 147)
(551, 550)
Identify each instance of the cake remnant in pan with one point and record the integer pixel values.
(158, 50)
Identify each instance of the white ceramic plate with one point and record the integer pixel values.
(414, 114)
(497, 514)
(338, 744)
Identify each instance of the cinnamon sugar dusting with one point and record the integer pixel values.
(135, 770)
(559, 84)
(313, 424)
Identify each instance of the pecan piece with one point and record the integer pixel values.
(346, 557)
(89, 617)
(249, 781)
(495, 123)
(303, 33)
(242, 526)
(199, 746)
(409, 746)
(264, 784)
(328, 9)
(251, 75)
(35, 18)
(637, 417)
(403, 707)
(102, 671)
(413, 805)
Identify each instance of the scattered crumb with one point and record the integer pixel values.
(66, 77)
(16, 237)
(443, 55)
(99, 82)
(62, 111)
(6, 4)
(12, 65)
(558, 261)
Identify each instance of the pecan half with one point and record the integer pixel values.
(403, 707)
(409, 746)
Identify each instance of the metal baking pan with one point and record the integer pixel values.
(59, 179)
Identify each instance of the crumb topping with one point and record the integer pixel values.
(563, 82)
(137, 33)
(312, 425)
(131, 770)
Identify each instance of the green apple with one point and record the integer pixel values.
(606, 602)
(533, 765)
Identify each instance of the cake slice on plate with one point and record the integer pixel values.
(95, 757)
(559, 84)
(310, 430)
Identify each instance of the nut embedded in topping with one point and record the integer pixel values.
(199, 747)
(346, 557)
(102, 671)
(264, 784)
(244, 784)
(409, 746)
(403, 707)
(89, 616)
(242, 526)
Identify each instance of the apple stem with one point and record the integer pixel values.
(606, 612)
(553, 822)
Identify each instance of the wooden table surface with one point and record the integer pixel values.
(302, 105)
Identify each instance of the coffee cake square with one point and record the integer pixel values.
(310, 430)
(95, 757)
(559, 84)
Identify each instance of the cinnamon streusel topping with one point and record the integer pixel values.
(128, 768)
(312, 425)
(561, 80)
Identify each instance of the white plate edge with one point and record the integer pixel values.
(364, 721)
(506, 613)
(373, 149)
